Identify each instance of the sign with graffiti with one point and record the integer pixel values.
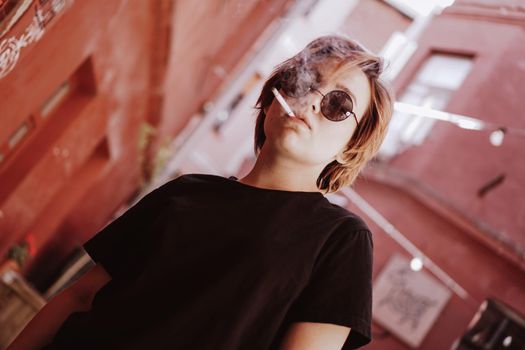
(44, 11)
(407, 302)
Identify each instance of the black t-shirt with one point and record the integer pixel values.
(207, 262)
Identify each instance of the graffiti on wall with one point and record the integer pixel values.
(11, 12)
(44, 13)
(407, 302)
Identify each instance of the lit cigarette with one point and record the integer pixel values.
(283, 103)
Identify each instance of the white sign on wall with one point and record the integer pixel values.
(407, 302)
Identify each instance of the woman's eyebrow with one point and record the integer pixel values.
(345, 89)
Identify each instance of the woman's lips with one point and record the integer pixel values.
(299, 119)
(304, 121)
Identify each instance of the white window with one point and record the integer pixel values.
(433, 86)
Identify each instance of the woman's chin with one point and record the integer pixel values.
(291, 145)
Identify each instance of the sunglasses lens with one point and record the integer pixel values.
(336, 104)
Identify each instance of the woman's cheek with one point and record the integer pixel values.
(322, 147)
(335, 140)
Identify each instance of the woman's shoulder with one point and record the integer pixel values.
(199, 179)
(345, 218)
(183, 181)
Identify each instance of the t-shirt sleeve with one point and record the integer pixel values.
(340, 288)
(123, 245)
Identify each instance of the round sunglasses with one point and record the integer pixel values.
(336, 105)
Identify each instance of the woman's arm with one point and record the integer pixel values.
(77, 297)
(314, 336)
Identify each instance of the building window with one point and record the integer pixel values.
(433, 86)
(52, 116)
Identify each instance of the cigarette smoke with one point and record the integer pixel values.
(310, 67)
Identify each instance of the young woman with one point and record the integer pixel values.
(262, 262)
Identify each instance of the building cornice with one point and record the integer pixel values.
(510, 14)
(480, 230)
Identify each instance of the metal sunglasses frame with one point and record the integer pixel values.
(347, 114)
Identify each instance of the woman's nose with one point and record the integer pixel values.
(315, 102)
(309, 103)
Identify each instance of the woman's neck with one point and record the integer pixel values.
(281, 174)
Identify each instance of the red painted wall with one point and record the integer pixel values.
(128, 64)
(73, 171)
(429, 192)
(491, 92)
(151, 62)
